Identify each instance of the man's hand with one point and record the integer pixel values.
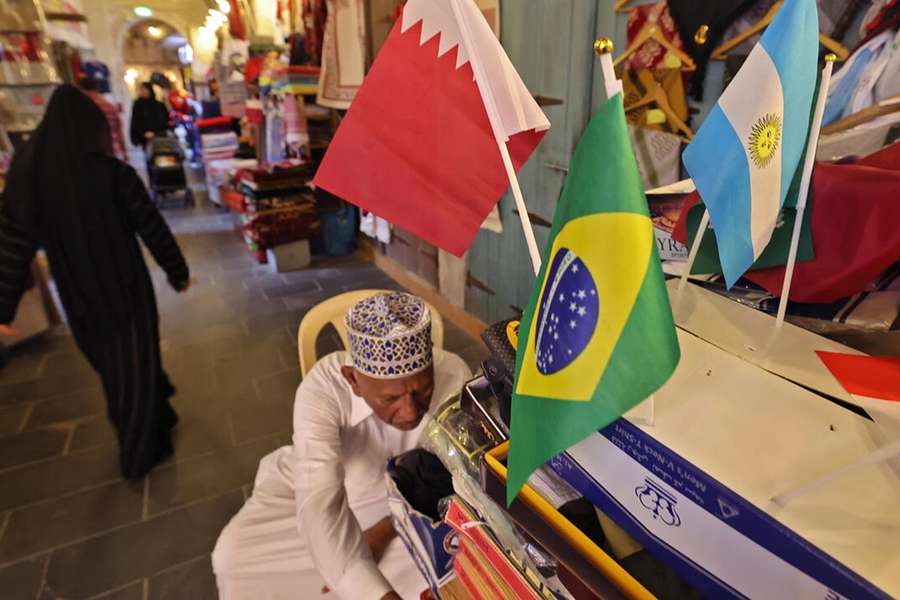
(379, 536)
(8, 330)
(149, 135)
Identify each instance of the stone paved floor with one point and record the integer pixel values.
(70, 527)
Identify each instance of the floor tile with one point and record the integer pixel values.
(193, 580)
(24, 363)
(134, 591)
(20, 581)
(280, 386)
(11, 418)
(46, 386)
(52, 478)
(140, 550)
(68, 407)
(263, 418)
(93, 433)
(282, 289)
(23, 448)
(67, 363)
(40, 527)
(222, 471)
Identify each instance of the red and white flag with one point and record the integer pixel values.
(418, 146)
(872, 381)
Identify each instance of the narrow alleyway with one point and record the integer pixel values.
(70, 527)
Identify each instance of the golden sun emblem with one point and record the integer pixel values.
(764, 139)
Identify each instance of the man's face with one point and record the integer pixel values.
(398, 402)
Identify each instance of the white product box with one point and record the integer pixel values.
(745, 417)
(289, 257)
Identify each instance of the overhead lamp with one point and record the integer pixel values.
(224, 6)
(155, 32)
(143, 11)
(131, 76)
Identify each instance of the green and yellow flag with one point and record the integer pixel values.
(598, 336)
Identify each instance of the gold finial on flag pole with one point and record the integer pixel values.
(830, 57)
(603, 45)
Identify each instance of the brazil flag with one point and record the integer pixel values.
(597, 337)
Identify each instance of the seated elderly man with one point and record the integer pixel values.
(317, 524)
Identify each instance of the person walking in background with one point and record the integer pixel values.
(149, 116)
(67, 194)
(89, 86)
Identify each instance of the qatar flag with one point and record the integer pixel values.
(419, 144)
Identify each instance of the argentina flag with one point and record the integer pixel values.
(748, 149)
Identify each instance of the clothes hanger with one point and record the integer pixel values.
(831, 44)
(652, 32)
(620, 5)
(656, 95)
(885, 107)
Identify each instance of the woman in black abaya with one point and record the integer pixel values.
(67, 194)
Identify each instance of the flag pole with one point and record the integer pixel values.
(811, 145)
(882, 454)
(692, 256)
(524, 219)
(499, 137)
(604, 48)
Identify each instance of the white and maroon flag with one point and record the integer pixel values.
(418, 146)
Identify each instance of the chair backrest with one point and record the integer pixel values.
(333, 311)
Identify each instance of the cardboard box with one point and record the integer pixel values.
(432, 544)
(289, 257)
(747, 416)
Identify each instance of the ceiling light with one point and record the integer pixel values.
(224, 6)
(143, 11)
(155, 32)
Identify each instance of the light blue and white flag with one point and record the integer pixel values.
(745, 154)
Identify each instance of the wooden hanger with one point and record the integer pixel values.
(656, 95)
(829, 43)
(652, 32)
(620, 5)
(885, 107)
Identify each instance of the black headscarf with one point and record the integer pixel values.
(147, 114)
(61, 189)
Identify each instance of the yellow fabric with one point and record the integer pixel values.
(619, 264)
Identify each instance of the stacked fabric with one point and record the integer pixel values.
(298, 80)
(278, 226)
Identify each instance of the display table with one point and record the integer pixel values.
(731, 430)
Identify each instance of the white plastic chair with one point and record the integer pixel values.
(333, 311)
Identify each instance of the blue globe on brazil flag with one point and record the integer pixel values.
(567, 314)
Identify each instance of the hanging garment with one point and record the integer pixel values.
(100, 72)
(846, 83)
(652, 54)
(274, 134)
(888, 84)
(635, 85)
(296, 127)
(300, 529)
(343, 54)
(690, 16)
(658, 155)
(66, 194)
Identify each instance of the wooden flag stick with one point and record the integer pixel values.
(500, 137)
(811, 145)
(882, 454)
(604, 47)
(692, 256)
(527, 229)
